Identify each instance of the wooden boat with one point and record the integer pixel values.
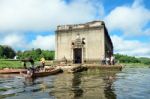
(12, 71)
(77, 69)
(43, 73)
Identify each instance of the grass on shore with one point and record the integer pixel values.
(10, 64)
(133, 65)
(18, 64)
(14, 64)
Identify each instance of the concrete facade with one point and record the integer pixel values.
(83, 43)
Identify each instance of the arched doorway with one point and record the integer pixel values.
(78, 49)
(77, 55)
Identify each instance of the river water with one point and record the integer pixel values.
(130, 83)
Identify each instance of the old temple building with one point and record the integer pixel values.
(83, 43)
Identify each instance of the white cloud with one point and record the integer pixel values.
(20, 16)
(43, 42)
(19, 42)
(38, 15)
(130, 47)
(13, 40)
(130, 19)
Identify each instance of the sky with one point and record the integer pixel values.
(27, 24)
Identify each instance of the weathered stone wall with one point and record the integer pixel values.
(94, 47)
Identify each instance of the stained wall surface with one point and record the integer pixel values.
(90, 37)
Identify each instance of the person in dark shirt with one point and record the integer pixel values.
(32, 64)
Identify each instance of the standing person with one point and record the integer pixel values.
(107, 61)
(30, 69)
(112, 60)
(43, 62)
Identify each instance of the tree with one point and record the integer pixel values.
(6, 52)
(37, 54)
(38, 51)
(127, 59)
(131, 59)
(1, 51)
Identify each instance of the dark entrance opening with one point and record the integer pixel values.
(77, 55)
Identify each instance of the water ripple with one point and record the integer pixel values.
(130, 83)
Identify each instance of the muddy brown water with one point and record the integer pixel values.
(130, 83)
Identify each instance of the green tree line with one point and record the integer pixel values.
(132, 59)
(6, 52)
(36, 54)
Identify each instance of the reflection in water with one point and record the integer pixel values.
(109, 91)
(91, 84)
(94, 84)
(42, 84)
(29, 81)
(67, 86)
(17, 87)
(76, 81)
(133, 83)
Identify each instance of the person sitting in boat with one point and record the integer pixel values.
(30, 69)
(28, 60)
(43, 62)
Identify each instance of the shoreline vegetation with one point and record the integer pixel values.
(135, 65)
(16, 64)
(9, 58)
(131, 61)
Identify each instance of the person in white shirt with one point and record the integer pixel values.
(107, 61)
(112, 60)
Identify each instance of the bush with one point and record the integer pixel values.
(131, 59)
(36, 54)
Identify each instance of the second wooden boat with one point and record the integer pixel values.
(43, 73)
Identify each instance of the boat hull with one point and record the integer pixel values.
(43, 74)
